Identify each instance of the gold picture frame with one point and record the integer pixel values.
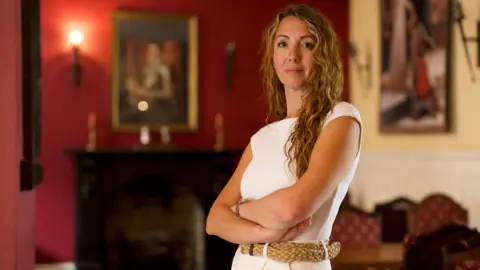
(154, 71)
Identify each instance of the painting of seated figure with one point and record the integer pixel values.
(155, 72)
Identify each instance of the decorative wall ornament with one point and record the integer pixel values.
(230, 53)
(92, 132)
(458, 17)
(364, 70)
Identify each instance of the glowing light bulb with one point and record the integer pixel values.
(75, 37)
(142, 106)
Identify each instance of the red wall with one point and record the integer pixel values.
(65, 108)
(16, 209)
(10, 144)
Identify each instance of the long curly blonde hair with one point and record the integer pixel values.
(326, 84)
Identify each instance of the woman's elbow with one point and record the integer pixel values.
(214, 220)
(292, 214)
(208, 230)
(210, 225)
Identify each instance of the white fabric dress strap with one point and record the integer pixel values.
(325, 250)
(265, 247)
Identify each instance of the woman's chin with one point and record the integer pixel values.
(294, 87)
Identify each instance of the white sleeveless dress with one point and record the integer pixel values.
(268, 171)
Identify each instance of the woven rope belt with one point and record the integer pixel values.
(287, 252)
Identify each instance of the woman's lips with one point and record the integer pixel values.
(293, 70)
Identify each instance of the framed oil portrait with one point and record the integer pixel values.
(155, 72)
(416, 59)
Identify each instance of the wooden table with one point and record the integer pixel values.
(385, 255)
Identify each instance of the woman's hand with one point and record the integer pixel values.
(280, 235)
(276, 235)
(296, 230)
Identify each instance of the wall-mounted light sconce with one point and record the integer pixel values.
(76, 38)
(367, 67)
(458, 17)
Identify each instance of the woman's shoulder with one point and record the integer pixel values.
(343, 108)
(266, 129)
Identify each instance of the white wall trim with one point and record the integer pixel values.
(432, 155)
(56, 266)
(385, 174)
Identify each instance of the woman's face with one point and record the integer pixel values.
(293, 53)
(153, 53)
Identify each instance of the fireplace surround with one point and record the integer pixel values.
(146, 208)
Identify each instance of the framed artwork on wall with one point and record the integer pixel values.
(415, 84)
(154, 71)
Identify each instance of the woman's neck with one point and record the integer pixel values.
(292, 114)
(294, 102)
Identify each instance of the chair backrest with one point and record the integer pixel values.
(394, 216)
(434, 212)
(356, 228)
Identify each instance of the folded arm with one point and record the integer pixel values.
(331, 158)
(222, 222)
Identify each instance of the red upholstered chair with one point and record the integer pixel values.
(394, 217)
(356, 228)
(434, 212)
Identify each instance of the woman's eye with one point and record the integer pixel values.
(281, 44)
(308, 45)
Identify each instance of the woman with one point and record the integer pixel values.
(295, 172)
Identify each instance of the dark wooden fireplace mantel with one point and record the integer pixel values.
(151, 150)
(99, 173)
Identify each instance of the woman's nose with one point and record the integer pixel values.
(294, 55)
